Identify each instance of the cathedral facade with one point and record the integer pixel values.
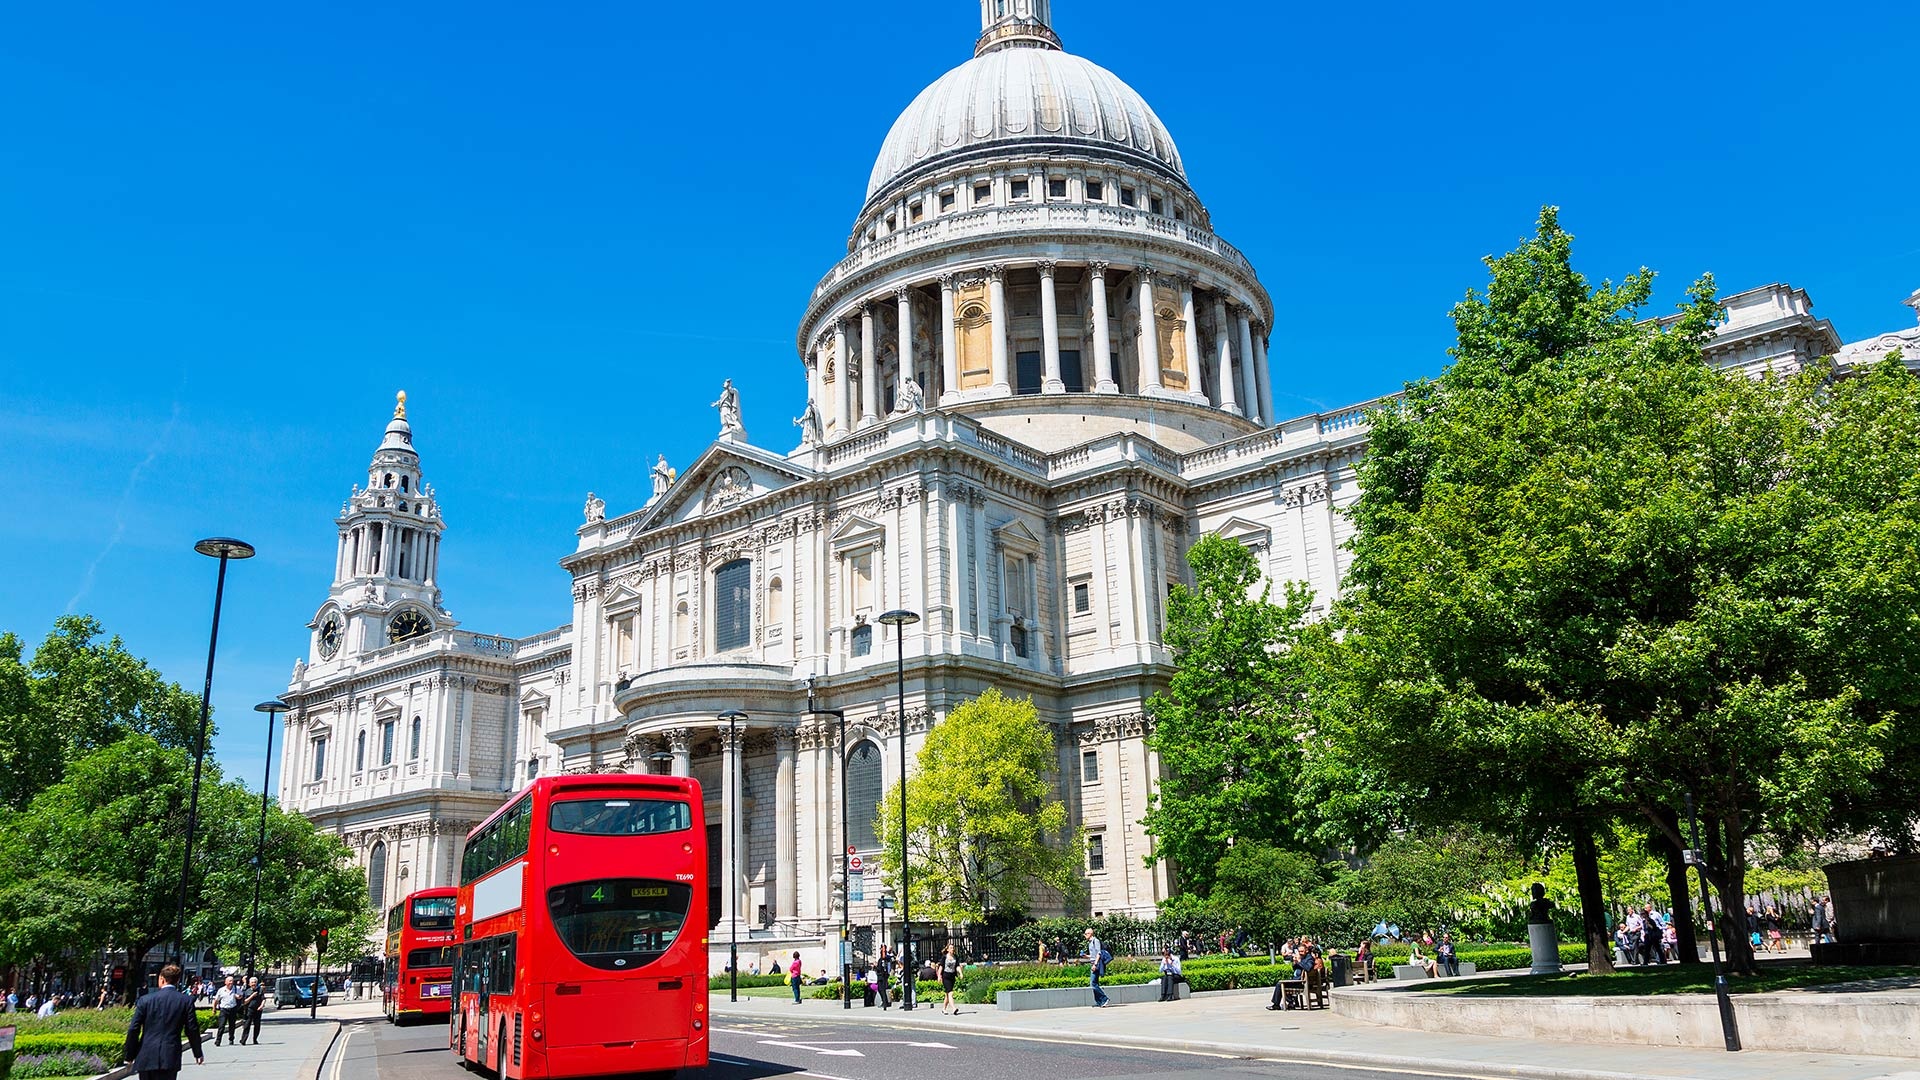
(1036, 377)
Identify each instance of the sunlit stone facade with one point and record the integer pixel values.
(1036, 377)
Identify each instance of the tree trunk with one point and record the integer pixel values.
(1593, 904)
(136, 972)
(1740, 946)
(1687, 943)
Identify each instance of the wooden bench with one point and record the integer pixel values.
(1309, 992)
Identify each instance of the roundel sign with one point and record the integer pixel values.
(854, 865)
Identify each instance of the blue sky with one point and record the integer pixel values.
(229, 232)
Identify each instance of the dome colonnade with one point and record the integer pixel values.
(1029, 230)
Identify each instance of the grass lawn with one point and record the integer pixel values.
(1675, 979)
(719, 986)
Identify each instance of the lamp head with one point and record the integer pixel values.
(732, 716)
(900, 617)
(224, 547)
(273, 706)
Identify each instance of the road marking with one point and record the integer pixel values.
(815, 1049)
(762, 1064)
(340, 1053)
(876, 1042)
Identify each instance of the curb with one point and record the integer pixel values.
(1423, 1065)
(317, 1060)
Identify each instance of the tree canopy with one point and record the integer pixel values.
(1227, 727)
(1593, 574)
(984, 826)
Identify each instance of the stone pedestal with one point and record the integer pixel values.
(1544, 941)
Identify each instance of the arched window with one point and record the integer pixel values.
(389, 480)
(864, 779)
(681, 629)
(733, 605)
(413, 745)
(403, 486)
(533, 767)
(377, 875)
(359, 751)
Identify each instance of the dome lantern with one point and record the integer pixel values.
(1015, 24)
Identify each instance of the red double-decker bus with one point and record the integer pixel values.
(582, 930)
(418, 983)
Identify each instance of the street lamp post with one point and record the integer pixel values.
(1729, 1023)
(223, 548)
(732, 809)
(900, 619)
(846, 844)
(272, 709)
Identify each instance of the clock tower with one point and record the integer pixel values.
(383, 591)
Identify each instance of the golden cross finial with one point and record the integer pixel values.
(400, 406)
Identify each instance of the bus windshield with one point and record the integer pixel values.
(433, 913)
(433, 956)
(619, 817)
(619, 923)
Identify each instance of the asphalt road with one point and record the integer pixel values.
(806, 1049)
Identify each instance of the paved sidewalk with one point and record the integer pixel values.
(1237, 1023)
(291, 1045)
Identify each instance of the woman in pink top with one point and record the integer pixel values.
(794, 978)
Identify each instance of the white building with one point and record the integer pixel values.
(1036, 377)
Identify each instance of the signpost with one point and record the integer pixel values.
(856, 880)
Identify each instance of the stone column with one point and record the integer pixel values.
(730, 814)
(997, 297)
(1246, 351)
(816, 388)
(1263, 379)
(1149, 351)
(903, 307)
(1229, 390)
(843, 371)
(869, 368)
(786, 866)
(949, 344)
(1191, 335)
(680, 744)
(1102, 333)
(1050, 333)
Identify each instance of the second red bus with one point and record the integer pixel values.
(418, 982)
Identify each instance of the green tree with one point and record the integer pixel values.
(984, 827)
(31, 754)
(94, 861)
(1592, 574)
(1270, 892)
(1227, 727)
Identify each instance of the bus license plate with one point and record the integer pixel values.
(436, 990)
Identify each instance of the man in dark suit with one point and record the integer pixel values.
(251, 1006)
(159, 1021)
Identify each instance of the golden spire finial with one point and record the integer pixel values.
(400, 406)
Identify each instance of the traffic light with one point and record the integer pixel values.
(320, 945)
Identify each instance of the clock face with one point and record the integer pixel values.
(330, 637)
(407, 625)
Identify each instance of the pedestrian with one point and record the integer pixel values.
(1186, 946)
(227, 1001)
(1097, 959)
(1654, 932)
(251, 1007)
(949, 978)
(46, 1007)
(1443, 953)
(1223, 941)
(1169, 976)
(794, 976)
(884, 966)
(160, 1021)
(1822, 922)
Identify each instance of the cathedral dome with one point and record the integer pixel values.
(1029, 96)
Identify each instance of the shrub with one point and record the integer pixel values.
(112, 1021)
(69, 1063)
(719, 982)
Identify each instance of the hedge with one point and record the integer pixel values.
(75, 1042)
(113, 1020)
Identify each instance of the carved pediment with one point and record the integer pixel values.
(1015, 536)
(532, 699)
(855, 532)
(723, 478)
(386, 708)
(1253, 535)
